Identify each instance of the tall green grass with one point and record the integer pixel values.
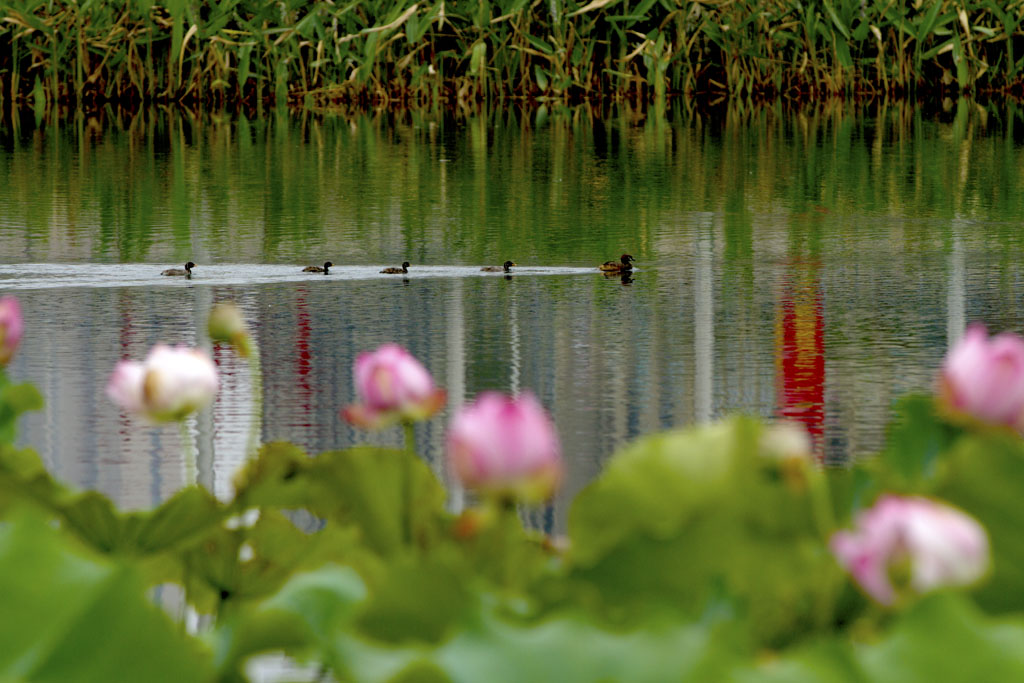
(382, 51)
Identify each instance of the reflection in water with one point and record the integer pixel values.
(800, 352)
(813, 266)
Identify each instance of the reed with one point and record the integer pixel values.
(256, 52)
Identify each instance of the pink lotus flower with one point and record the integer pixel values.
(920, 543)
(169, 385)
(506, 446)
(984, 378)
(11, 327)
(393, 386)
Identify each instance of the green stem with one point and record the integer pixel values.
(191, 471)
(508, 536)
(821, 504)
(191, 476)
(410, 453)
(410, 437)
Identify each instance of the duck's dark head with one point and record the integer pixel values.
(405, 264)
(626, 259)
(189, 265)
(327, 264)
(507, 264)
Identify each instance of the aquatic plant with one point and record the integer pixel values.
(715, 552)
(983, 378)
(11, 328)
(912, 544)
(394, 387)
(171, 384)
(249, 51)
(506, 447)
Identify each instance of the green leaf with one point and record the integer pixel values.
(417, 601)
(945, 638)
(941, 638)
(916, 438)
(541, 77)
(541, 45)
(839, 24)
(305, 613)
(392, 497)
(64, 608)
(689, 507)
(984, 474)
(823, 661)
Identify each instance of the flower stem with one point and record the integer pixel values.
(508, 527)
(256, 378)
(410, 455)
(410, 437)
(191, 471)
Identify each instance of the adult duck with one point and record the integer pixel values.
(398, 271)
(318, 269)
(625, 263)
(506, 267)
(187, 271)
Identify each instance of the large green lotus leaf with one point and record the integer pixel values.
(319, 614)
(564, 647)
(303, 617)
(984, 475)
(277, 477)
(828, 661)
(252, 562)
(945, 638)
(416, 600)
(180, 520)
(23, 476)
(91, 516)
(678, 516)
(15, 399)
(656, 485)
(64, 610)
(391, 496)
(916, 438)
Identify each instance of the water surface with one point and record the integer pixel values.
(809, 265)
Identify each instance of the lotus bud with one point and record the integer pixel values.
(11, 327)
(906, 545)
(506, 447)
(226, 324)
(983, 378)
(392, 386)
(169, 385)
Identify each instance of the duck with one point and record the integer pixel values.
(402, 270)
(318, 269)
(503, 268)
(625, 263)
(187, 272)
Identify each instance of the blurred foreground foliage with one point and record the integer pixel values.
(699, 554)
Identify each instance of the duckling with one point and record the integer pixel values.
(187, 272)
(318, 269)
(503, 268)
(404, 269)
(624, 263)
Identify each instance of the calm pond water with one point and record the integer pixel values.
(813, 265)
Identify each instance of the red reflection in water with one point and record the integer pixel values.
(800, 352)
(303, 356)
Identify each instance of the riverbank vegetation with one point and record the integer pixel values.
(251, 52)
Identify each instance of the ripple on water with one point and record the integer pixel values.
(50, 275)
